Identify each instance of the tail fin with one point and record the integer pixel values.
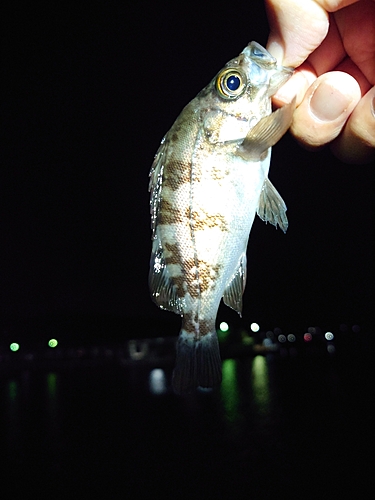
(198, 362)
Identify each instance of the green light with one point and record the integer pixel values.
(229, 391)
(224, 327)
(52, 343)
(223, 331)
(13, 388)
(14, 346)
(261, 389)
(52, 384)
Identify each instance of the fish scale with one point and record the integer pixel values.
(208, 180)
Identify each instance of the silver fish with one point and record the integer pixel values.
(208, 179)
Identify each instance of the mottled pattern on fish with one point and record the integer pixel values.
(208, 179)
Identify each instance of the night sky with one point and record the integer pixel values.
(91, 88)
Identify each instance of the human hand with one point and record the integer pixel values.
(332, 45)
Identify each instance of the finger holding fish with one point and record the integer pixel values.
(332, 46)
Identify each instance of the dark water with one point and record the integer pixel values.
(293, 425)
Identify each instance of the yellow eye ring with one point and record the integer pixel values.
(230, 83)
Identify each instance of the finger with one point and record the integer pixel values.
(325, 108)
(356, 143)
(296, 29)
(297, 86)
(356, 25)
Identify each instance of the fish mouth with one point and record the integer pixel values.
(281, 76)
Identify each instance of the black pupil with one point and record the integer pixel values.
(233, 82)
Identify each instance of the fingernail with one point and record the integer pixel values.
(276, 50)
(373, 107)
(328, 103)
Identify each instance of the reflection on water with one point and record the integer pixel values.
(122, 423)
(245, 390)
(13, 437)
(52, 403)
(260, 384)
(229, 390)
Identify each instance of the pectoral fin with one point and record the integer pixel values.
(234, 290)
(271, 206)
(266, 133)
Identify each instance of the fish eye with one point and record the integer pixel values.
(230, 83)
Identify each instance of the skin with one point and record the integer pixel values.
(331, 43)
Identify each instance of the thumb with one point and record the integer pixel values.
(297, 29)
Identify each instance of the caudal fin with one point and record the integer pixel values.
(198, 363)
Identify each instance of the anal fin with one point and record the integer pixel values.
(233, 292)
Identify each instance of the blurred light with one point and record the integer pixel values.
(224, 327)
(204, 389)
(291, 337)
(277, 330)
(52, 384)
(157, 381)
(331, 348)
(267, 342)
(14, 346)
(329, 336)
(281, 338)
(307, 337)
(13, 389)
(270, 335)
(136, 352)
(254, 327)
(356, 328)
(229, 391)
(311, 329)
(52, 343)
(260, 379)
(246, 339)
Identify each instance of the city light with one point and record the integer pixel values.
(291, 337)
(52, 343)
(254, 327)
(14, 346)
(281, 338)
(157, 381)
(224, 327)
(329, 336)
(307, 337)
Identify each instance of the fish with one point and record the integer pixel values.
(208, 179)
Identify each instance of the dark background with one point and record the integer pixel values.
(90, 91)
